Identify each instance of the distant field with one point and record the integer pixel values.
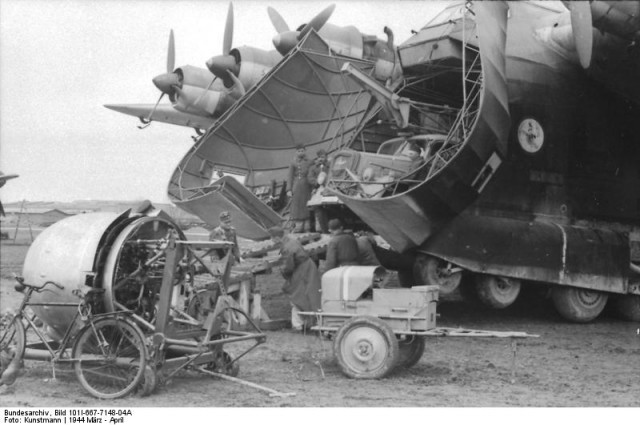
(24, 236)
(11, 259)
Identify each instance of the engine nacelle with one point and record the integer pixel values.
(98, 250)
(254, 64)
(199, 101)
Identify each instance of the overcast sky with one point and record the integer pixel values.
(61, 60)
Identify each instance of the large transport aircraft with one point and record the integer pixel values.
(525, 115)
(529, 173)
(526, 118)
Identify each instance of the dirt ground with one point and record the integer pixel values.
(596, 364)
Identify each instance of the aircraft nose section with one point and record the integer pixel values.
(164, 82)
(285, 41)
(218, 65)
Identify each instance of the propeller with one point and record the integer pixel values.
(166, 82)
(286, 39)
(581, 24)
(219, 65)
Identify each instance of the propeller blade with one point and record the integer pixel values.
(228, 31)
(213, 80)
(171, 54)
(581, 23)
(148, 119)
(276, 19)
(318, 21)
(237, 90)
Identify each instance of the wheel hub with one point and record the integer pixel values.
(587, 297)
(363, 350)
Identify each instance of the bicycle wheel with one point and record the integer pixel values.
(12, 345)
(110, 357)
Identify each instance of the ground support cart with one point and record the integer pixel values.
(131, 348)
(376, 328)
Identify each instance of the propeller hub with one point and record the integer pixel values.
(165, 82)
(285, 41)
(219, 65)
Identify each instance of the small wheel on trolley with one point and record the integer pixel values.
(366, 348)
(411, 350)
(12, 345)
(110, 357)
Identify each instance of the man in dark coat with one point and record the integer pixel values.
(301, 275)
(300, 191)
(342, 249)
(366, 253)
(317, 177)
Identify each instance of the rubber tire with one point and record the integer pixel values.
(13, 334)
(149, 381)
(497, 292)
(572, 303)
(427, 271)
(627, 307)
(87, 332)
(355, 331)
(411, 351)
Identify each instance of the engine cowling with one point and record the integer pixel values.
(96, 250)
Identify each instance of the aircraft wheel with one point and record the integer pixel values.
(411, 350)
(366, 348)
(577, 304)
(429, 270)
(627, 307)
(110, 357)
(496, 291)
(12, 345)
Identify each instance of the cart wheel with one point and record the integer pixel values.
(110, 357)
(223, 364)
(12, 345)
(411, 350)
(366, 348)
(149, 381)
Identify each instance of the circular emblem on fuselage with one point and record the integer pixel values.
(530, 135)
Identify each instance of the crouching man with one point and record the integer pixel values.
(302, 280)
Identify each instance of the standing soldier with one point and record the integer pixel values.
(317, 177)
(301, 274)
(226, 232)
(300, 191)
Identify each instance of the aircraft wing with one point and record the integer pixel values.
(164, 113)
(305, 99)
(5, 177)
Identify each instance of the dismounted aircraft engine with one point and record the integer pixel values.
(120, 257)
